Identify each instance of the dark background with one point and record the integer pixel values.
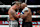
(33, 2)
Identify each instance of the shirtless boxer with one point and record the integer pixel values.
(12, 13)
(26, 16)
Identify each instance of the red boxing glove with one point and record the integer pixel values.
(19, 14)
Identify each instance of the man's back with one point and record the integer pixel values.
(10, 16)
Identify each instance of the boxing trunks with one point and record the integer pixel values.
(13, 23)
(27, 24)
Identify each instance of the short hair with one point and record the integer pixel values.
(17, 2)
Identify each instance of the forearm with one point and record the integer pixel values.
(15, 16)
(24, 16)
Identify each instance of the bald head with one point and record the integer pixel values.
(23, 5)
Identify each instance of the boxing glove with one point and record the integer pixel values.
(22, 12)
(19, 14)
(25, 9)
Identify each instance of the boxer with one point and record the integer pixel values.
(12, 13)
(26, 15)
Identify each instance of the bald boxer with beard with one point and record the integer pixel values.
(26, 15)
(12, 13)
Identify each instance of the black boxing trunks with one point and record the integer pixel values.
(27, 24)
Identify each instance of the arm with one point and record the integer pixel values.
(26, 14)
(30, 12)
(13, 13)
(30, 15)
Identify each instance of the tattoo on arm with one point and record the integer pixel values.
(12, 13)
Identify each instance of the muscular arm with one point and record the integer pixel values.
(30, 12)
(26, 14)
(13, 13)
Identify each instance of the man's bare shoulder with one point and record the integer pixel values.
(10, 11)
(14, 6)
(30, 11)
(29, 8)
